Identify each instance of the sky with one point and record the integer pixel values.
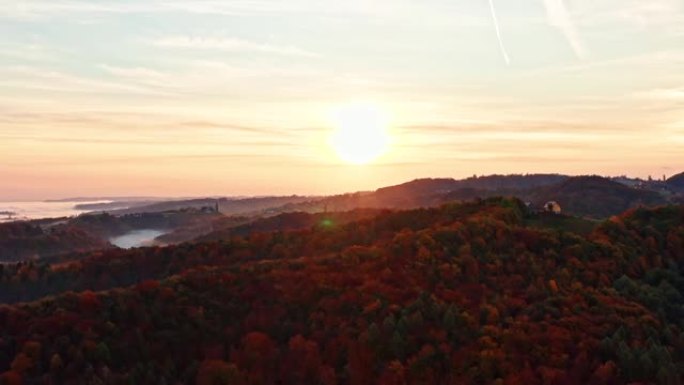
(193, 98)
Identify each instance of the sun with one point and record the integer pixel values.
(360, 132)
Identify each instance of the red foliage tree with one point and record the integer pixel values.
(218, 372)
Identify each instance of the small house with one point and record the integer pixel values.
(552, 207)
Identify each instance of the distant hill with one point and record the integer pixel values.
(431, 192)
(227, 206)
(590, 196)
(114, 205)
(155, 207)
(514, 181)
(35, 239)
(593, 196)
(420, 190)
(257, 205)
(27, 240)
(426, 192)
(587, 196)
(677, 182)
(285, 222)
(113, 199)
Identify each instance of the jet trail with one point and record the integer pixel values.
(498, 33)
(559, 17)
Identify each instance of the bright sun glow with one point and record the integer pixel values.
(360, 134)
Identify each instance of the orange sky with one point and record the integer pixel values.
(204, 98)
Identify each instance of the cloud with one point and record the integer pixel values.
(134, 72)
(148, 141)
(153, 123)
(230, 45)
(663, 94)
(409, 12)
(30, 52)
(212, 79)
(41, 9)
(41, 79)
(265, 158)
(650, 13)
(559, 17)
(38, 9)
(193, 75)
(511, 126)
(636, 13)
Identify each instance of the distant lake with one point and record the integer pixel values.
(39, 210)
(136, 238)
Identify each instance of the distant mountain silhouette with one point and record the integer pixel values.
(590, 196)
(427, 192)
(587, 196)
(677, 181)
(489, 183)
(29, 240)
(227, 206)
(594, 196)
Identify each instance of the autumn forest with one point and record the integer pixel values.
(480, 292)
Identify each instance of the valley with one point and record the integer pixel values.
(473, 291)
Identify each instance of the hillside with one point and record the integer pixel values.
(468, 293)
(232, 226)
(27, 240)
(430, 192)
(593, 196)
(227, 206)
(188, 220)
(426, 193)
(677, 182)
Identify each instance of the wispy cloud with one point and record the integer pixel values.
(194, 75)
(39, 9)
(30, 52)
(636, 13)
(229, 44)
(41, 79)
(19, 122)
(512, 126)
(206, 78)
(559, 17)
(42, 9)
(135, 72)
(663, 94)
(148, 141)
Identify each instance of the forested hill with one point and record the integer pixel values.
(46, 238)
(474, 293)
(588, 196)
(26, 240)
(594, 196)
(677, 181)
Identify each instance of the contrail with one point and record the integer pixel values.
(559, 17)
(498, 33)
